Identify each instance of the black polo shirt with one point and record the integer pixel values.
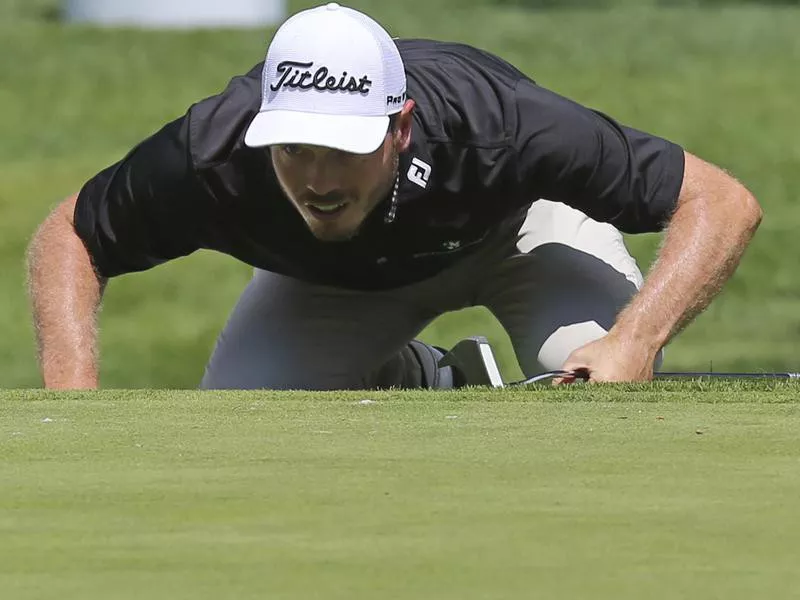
(486, 142)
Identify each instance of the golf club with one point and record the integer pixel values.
(664, 375)
(475, 362)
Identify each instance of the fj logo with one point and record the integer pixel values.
(419, 172)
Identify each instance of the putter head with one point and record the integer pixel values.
(473, 362)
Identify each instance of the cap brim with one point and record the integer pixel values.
(349, 133)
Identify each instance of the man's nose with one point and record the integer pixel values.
(322, 179)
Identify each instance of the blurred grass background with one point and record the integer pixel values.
(720, 80)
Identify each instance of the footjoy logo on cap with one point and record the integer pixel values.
(298, 75)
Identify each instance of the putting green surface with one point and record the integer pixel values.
(667, 491)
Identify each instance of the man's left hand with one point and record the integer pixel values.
(610, 359)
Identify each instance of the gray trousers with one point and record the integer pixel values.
(559, 285)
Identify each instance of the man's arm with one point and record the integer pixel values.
(65, 294)
(713, 222)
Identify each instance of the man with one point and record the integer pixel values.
(375, 184)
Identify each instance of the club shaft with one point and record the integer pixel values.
(671, 375)
(724, 375)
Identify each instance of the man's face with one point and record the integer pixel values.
(334, 191)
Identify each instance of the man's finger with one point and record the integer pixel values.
(563, 380)
(576, 373)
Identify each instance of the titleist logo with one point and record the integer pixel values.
(292, 74)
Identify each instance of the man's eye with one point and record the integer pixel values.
(292, 149)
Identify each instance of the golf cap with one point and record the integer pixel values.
(331, 78)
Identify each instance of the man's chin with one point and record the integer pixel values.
(330, 236)
(332, 233)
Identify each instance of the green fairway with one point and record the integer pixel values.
(670, 491)
(723, 83)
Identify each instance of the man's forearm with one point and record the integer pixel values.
(703, 245)
(65, 295)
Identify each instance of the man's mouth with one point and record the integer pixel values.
(327, 210)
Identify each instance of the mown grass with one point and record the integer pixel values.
(681, 490)
(721, 82)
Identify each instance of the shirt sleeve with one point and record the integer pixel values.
(143, 210)
(614, 174)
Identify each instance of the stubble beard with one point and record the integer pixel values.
(327, 232)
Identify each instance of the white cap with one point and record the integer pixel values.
(331, 78)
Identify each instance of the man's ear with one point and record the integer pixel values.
(402, 132)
